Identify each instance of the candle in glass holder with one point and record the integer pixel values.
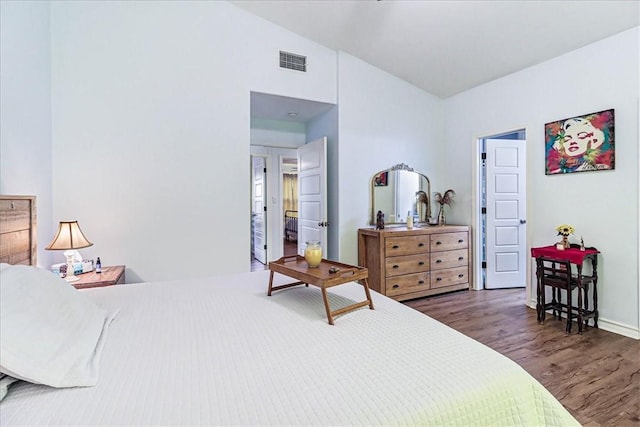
(313, 253)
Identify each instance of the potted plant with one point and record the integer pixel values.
(565, 230)
(442, 199)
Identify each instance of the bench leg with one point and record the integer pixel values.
(330, 314)
(326, 305)
(368, 294)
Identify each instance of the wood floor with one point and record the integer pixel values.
(595, 375)
(289, 247)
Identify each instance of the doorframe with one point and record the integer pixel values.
(267, 215)
(275, 217)
(476, 205)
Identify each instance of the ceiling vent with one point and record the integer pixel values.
(293, 61)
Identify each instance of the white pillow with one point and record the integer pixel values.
(49, 332)
(5, 382)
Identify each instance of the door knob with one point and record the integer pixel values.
(323, 224)
(523, 221)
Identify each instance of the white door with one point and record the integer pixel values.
(506, 209)
(258, 213)
(312, 194)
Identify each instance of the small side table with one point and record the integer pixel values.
(576, 257)
(112, 275)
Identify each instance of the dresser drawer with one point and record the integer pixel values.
(449, 259)
(449, 241)
(407, 245)
(408, 283)
(398, 265)
(451, 276)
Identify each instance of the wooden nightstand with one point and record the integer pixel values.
(113, 275)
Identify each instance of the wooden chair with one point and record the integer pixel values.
(557, 275)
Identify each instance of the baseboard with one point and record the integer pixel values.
(609, 326)
(618, 328)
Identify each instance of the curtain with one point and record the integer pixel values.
(290, 191)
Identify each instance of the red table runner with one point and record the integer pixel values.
(573, 255)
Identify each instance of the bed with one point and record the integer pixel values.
(291, 225)
(219, 351)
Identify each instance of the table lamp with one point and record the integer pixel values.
(69, 238)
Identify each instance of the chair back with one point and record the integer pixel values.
(555, 273)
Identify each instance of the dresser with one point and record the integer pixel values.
(411, 263)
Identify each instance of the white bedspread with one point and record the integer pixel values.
(219, 351)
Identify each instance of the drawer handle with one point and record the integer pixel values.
(438, 261)
(420, 245)
(438, 243)
(461, 275)
(438, 279)
(460, 258)
(420, 282)
(395, 246)
(396, 266)
(460, 241)
(396, 286)
(421, 263)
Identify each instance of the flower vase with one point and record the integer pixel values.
(565, 242)
(441, 218)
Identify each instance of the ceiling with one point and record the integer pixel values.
(447, 47)
(282, 108)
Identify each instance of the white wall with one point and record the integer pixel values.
(383, 121)
(25, 112)
(276, 133)
(602, 206)
(151, 124)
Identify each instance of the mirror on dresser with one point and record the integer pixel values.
(400, 190)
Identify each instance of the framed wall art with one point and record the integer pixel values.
(381, 179)
(580, 144)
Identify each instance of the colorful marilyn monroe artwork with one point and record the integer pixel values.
(580, 144)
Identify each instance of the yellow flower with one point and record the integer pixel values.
(565, 230)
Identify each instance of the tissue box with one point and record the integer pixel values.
(77, 268)
(87, 266)
(56, 267)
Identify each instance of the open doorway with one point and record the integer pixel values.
(280, 125)
(274, 200)
(500, 252)
(290, 206)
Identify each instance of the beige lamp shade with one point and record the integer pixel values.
(69, 236)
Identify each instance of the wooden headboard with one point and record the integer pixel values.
(18, 225)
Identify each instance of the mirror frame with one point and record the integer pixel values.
(398, 167)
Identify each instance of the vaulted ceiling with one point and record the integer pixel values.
(447, 47)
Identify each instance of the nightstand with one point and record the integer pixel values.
(112, 275)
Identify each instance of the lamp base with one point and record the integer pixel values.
(71, 277)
